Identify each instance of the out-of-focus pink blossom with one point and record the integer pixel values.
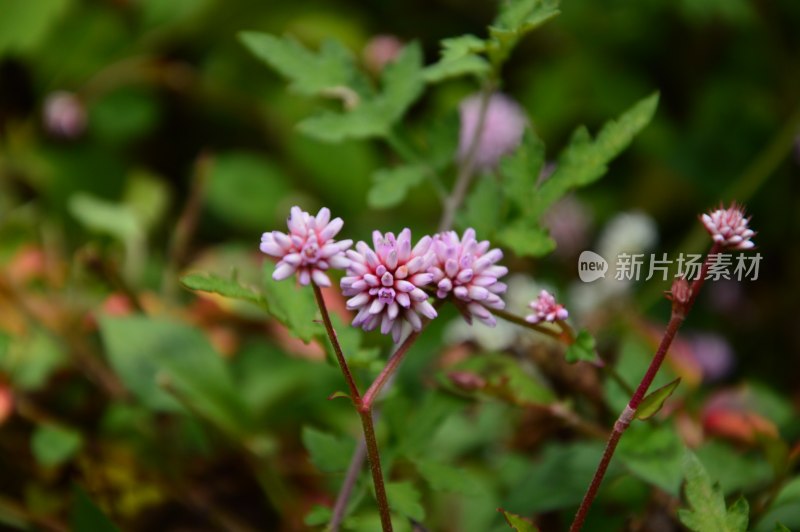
(568, 221)
(729, 227)
(64, 115)
(545, 308)
(501, 133)
(6, 402)
(384, 284)
(309, 248)
(466, 269)
(714, 354)
(381, 50)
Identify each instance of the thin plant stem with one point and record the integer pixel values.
(562, 336)
(387, 371)
(367, 424)
(467, 167)
(350, 478)
(680, 309)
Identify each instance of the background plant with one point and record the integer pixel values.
(170, 409)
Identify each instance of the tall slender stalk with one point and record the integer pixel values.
(683, 298)
(367, 424)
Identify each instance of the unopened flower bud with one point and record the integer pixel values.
(680, 294)
(729, 227)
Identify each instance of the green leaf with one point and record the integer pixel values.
(517, 522)
(653, 453)
(459, 58)
(86, 517)
(329, 453)
(392, 184)
(780, 528)
(147, 196)
(585, 159)
(53, 445)
(405, 499)
(481, 209)
(309, 73)
(30, 359)
(148, 352)
(707, 511)
(654, 401)
(734, 470)
(583, 348)
(443, 477)
(124, 114)
(525, 240)
(521, 171)
(113, 219)
(238, 182)
(25, 24)
(319, 515)
(515, 19)
(292, 305)
(224, 287)
(402, 84)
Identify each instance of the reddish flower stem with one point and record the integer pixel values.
(373, 455)
(680, 309)
(387, 371)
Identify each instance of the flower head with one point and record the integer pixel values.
(545, 308)
(466, 269)
(64, 115)
(309, 248)
(728, 227)
(501, 133)
(384, 284)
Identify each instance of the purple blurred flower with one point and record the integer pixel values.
(385, 284)
(714, 354)
(381, 50)
(308, 249)
(501, 133)
(545, 308)
(64, 114)
(466, 269)
(729, 227)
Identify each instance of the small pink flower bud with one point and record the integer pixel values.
(502, 130)
(729, 227)
(545, 308)
(466, 380)
(64, 115)
(381, 50)
(308, 249)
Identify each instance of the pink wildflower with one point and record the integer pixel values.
(729, 227)
(466, 269)
(381, 50)
(501, 133)
(64, 114)
(309, 248)
(385, 284)
(545, 308)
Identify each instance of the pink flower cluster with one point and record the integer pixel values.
(389, 284)
(729, 227)
(545, 308)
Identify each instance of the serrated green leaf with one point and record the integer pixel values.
(707, 512)
(225, 287)
(583, 348)
(292, 305)
(405, 499)
(328, 452)
(53, 445)
(517, 522)
(443, 477)
(654, 453)
(390, 185)
(653, 402)
(521, 170)
(481, 209)
(402, 84)
(87, 517)
(148, 352)
(585, 159)
(459, 57)
(310, 73)
(525, 240)
(515, 19)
